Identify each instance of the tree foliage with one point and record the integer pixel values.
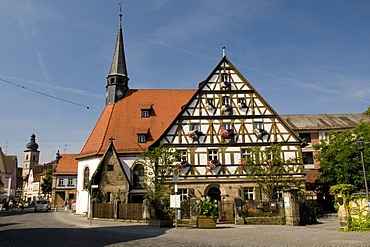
(270, 171)
(158, 162)
(340, 159)
(47, 182)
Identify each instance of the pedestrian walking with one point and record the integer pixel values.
(65, 205)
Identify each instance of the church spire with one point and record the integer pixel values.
(117, 79)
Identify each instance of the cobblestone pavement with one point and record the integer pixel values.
(324, 234)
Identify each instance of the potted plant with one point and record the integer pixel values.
(207, 213)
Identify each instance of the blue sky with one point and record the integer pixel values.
(302, 57)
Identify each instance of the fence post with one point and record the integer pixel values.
(291, 207)
(116, 209)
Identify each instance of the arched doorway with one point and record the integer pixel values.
(214, 193)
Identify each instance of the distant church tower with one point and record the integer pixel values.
(117, 79)
(31, 156)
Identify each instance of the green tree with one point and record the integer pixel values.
(270, 171)
(158, 163)
(340, 159)
(47, 182)
(367, 112)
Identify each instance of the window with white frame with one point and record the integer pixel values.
(258, 125)
(141, 138)
(60, 181)
(183, 194)
(212, 155)
(246, 153)
(145, 113)
(241, 100)
(225, 100)
(70, 182)
(226, 126)
(224, 77)
(86, 177)
(248, 193)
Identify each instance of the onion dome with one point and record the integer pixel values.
(32, 145)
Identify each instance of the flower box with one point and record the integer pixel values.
(204, 222)
(242, 105)
(210, 107)
(212, 164)
(229, 133)
(161, 223)
(226, 85)
(260, 133)
(195, 134)
(226, 109)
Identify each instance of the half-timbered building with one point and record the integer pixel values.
(214, 127)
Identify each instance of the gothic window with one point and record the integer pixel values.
(138, 176)
(225, 100)
(119, 80)
(86, 177)
(112, 81)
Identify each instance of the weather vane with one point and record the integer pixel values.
(120, 7)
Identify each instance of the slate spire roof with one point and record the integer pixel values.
(118, 66)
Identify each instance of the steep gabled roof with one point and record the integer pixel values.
(67, 164)
(123, 122)
(7, 163)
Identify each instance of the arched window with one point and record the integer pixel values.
(86, 177)
(138, 176)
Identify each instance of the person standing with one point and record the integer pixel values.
(65, 205)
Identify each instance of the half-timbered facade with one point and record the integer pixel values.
(214, 127)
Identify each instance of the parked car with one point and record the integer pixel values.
(42, 205)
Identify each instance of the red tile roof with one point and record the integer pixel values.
(122, 121)
(67, 164)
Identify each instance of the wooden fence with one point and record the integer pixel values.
(124, 211)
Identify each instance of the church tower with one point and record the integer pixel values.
(117, 79)
(31, 156)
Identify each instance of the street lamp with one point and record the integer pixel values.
(361, 148)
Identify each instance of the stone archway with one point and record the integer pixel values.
(214, 193)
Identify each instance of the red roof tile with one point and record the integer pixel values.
(67, 164)
(122, 120)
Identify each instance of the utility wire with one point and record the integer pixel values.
(48, 95)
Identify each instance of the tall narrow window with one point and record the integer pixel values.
(86, 177)
(224, 77)
(225, 101)
(138, 176)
